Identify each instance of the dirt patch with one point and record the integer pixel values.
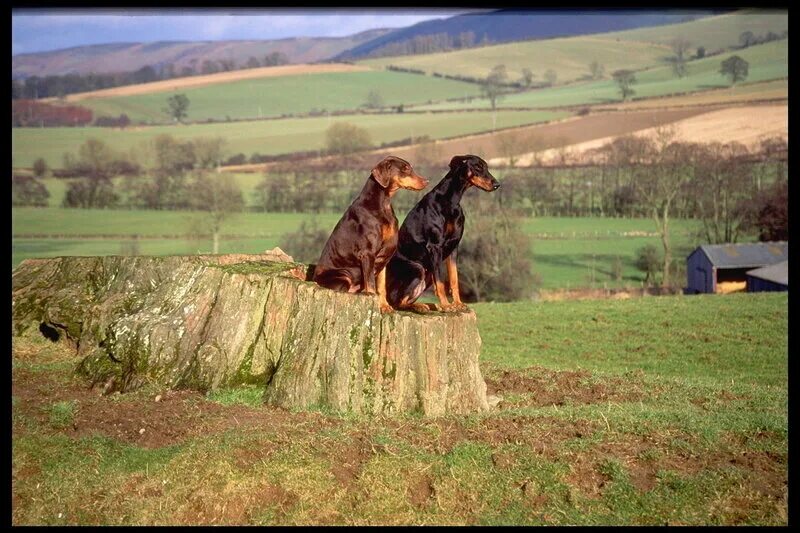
(211, 79)
(544, 387)
(348, 459)
(177, 417)
(643, 456)
(420, 491)
(236, 509)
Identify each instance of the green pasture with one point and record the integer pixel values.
(267, 137)
(568, 57)
(746, 344)
(277, 96)
(714, 33)
(768, 61)
(651, 411)
(567, 252)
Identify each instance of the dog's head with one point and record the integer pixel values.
(474, 170)
(395, 173)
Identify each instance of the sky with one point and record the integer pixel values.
(39, 30)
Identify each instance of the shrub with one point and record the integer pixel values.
(39, 167)
(305, 245)
(493, 258)
(28, 191)
(648, 260)
(345, 138)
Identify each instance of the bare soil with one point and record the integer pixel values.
(748, 125)
(211, 79)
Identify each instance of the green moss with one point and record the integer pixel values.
(366, 352)
(391, 372)
(244, 375)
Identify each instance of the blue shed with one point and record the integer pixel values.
(769, 278)
(715, 268)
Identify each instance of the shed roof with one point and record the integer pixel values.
(777, 273)
(753, 255)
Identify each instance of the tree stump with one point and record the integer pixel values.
(205, 322)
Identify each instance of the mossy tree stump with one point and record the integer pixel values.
(205, 322)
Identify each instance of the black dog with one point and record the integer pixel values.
(430, 234)
(355, 256)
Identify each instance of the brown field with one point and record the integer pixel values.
(756, 92)
(555, 134)
(748, 125)
(210, 79)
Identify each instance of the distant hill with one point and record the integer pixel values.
(127, 57)
(514, 25)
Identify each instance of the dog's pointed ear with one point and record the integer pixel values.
(457, 160)
(383, 172)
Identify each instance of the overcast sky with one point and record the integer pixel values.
(38, 30)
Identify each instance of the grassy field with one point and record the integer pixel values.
(568, 57)
(768, 61)
(267, 137)
(748, 92)
(567, 252)
(714, 33)
(667, 410)
(284, 95)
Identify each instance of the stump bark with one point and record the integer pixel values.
(205, 322)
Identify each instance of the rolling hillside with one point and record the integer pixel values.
(127, 57)
(284, 95)
(515, 25)
(767, 62)
(570, 57)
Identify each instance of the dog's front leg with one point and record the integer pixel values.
(438, 286)
(382, 303)
(368, 273)
(452, 277)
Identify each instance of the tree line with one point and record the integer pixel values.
(733, 192)
(427, 44)
(57, 86)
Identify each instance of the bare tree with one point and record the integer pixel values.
(527, 78)
(624, 78)
(680, 47)
(493, 88)
(511, 144)
(597, 70)
(722, 182)
(218, 197)
(661, 168)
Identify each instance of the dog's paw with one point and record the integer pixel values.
(386, 308)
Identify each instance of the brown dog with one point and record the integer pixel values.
(365, 238)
